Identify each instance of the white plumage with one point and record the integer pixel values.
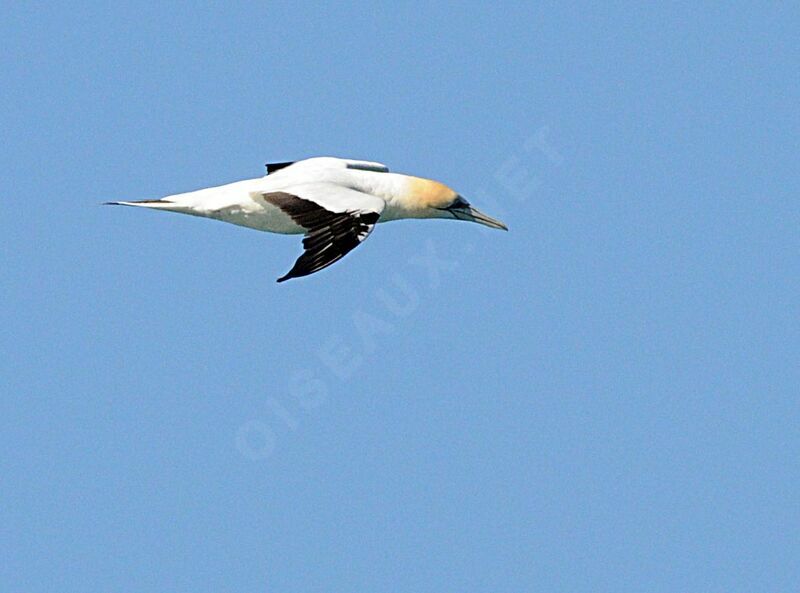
(334, 202)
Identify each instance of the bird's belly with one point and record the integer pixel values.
(268, 219)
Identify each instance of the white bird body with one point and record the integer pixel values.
(334, 202)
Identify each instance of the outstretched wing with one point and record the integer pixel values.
(336, 220)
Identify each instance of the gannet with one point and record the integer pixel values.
(334, 202)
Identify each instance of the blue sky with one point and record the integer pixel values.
(603, 399)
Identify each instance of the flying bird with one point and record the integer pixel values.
(334, 202)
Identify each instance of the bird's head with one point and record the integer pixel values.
(431, 199)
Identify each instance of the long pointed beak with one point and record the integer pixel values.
(475, 215)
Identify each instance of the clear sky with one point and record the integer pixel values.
(603, 399)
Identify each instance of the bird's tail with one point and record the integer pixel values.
(156, 204)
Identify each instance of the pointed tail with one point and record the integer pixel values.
(157, 204)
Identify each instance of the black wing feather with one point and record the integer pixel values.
(272, 167)
(329, 235)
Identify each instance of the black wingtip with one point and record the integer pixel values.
(272, 167)
(293, 273)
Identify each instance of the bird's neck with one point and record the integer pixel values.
(405, 196)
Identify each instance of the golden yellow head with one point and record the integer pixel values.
(427, 193)
(427, 198)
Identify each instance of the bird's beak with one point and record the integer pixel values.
(473, 214)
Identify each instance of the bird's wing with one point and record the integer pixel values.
(336, 220)
(328, 162)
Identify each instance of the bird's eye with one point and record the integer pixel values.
(459, 202)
